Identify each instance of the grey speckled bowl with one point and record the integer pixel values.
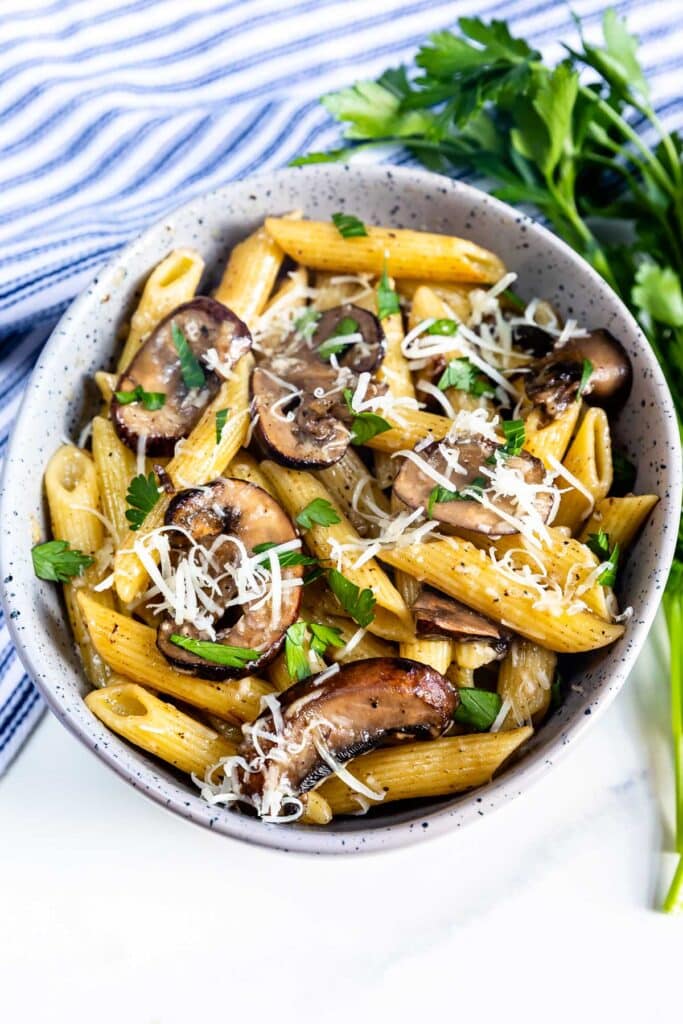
(84, 341)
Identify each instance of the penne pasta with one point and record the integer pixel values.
(469, 575)
(473, 654)
(549, 442)
(355, 491)
(245, 467)
(456, 295)
(588, 463)
(336, 289)
(115, 467)
(250, 274)
(73, 500)
(620, 518)
(525, 681)
(404, 253)
(564, 560)
(296, 490)
(159, 728)
(421, 770)
(130, 649)
(409, 427)
(171, 283)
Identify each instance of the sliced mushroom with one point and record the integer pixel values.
(298, 395)
(438, 615)
(217, 339)
(245, 516)
(296, 428)
(532, 338)
(414, 485)
(367, 352)
(335, 719)
(558, 376)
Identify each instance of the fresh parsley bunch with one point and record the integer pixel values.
(562, 140)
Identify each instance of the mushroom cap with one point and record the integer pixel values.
(206, 324)
(364, 704)
(298, 395)
(438, 615)
(246, 512)
(413, 485)
(558, 375)
(313, 438)
(533, 339)
(362, 356)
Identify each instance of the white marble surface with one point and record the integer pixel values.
(113, 910)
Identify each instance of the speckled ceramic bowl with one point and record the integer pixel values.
(83, 342)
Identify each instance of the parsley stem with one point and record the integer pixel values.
(625, 128)
(674, 616)
(674, 897)
(673, 607)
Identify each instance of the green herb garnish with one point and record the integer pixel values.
(464, 375)
(151, 400)
(515, 436)
(287, 559)
(337, 340)
(556, 690)
(190, 368)
(306, 324)
(221, 420)
(296, 657)
(439, 495)
(318, 512)
(586, 371)
(449, 328)
(349, 226)
(359, 604)
(365, 425)
(323, 637)
(515, 300)
(624, 474)
(143, 494)
(387, 299)
(219, 654)
(600, 546)
(57, 561)
(478, 709)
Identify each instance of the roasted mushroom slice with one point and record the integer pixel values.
(294, 426)
(216, 339)
(558, 376)
(438, 615)
(476, 501)
(323, 723)
(225, 519)
(532, 338)
(353, 335)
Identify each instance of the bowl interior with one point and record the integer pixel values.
(57, 405)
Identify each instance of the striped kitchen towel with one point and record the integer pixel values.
(114, 111)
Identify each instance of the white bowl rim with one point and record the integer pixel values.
(428, 823)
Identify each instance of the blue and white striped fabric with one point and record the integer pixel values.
(115, 111)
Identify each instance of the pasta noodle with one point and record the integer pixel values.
(470, 576)
(404, 253)
(130, 649)
(525, 681)
(421, 770)
(171, 283)
(158, 727)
